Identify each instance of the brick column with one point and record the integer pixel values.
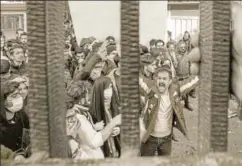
(46, 67)
(130, 78)
(215, 66)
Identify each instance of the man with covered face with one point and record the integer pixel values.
(162, 112)
(14, 123)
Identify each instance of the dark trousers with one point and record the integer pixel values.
(153, 145)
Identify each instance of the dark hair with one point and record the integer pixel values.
(152, 42)
(110, 38)
(76, 90)
(187, 33)
(9, 87)
(159, 41)
(163, 69)
(15, 46)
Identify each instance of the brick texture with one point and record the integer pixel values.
(130, 77)
(46, 94)
(214, 85)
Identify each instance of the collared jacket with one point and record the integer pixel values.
(153, 104)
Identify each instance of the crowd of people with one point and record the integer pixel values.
(92, 84)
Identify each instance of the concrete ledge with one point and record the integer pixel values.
(218, 159)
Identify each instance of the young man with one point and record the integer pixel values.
(24, 38)
(18, 33)
(17, 60)
(160, 44)
(162, 112)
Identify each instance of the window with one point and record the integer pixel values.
(12, 21)
(178, 24)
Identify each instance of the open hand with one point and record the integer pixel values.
(102, 52)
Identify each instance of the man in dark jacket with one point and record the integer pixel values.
(162, 112)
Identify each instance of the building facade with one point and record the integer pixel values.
(13, 17)
(182, 16)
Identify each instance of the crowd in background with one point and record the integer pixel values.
(92, 84)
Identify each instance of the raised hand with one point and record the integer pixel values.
(102, 52)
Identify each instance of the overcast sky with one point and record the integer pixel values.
(102, 18)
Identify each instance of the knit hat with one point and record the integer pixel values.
(110, 38)
(85, 41)
(147, 58)
(5, 66)
(110, 48)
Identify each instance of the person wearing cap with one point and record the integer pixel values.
(110, 39)
(109, 62)
(163, 111)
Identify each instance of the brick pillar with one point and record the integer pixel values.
(215, 66)
(130, 78)
(46, 67)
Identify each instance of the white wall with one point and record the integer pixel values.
(102, 18)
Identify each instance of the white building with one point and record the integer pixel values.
(13, 16)
(182, 16)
